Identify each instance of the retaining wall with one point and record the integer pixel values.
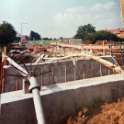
(57, 72)
(60, 100)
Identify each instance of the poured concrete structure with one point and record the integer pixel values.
(58, 72)
(60, 100)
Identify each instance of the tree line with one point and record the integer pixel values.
(88, 33)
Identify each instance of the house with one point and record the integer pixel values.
(119, 32)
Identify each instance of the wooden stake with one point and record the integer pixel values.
(4, 62)
(1, 75)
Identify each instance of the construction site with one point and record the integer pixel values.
(63, 82)
(70, 80)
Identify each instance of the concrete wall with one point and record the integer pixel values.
(57, 72)
(61, 100)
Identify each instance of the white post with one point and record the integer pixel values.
(74, 64)
(100, 70)
(65, 73)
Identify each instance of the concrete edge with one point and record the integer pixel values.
(20, 95)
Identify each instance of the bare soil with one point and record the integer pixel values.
(109, 113)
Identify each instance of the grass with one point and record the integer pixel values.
(45, 42)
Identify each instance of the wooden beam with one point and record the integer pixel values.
(113, 67)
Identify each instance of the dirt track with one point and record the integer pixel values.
(112, 113)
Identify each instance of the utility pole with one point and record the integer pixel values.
(23, 23)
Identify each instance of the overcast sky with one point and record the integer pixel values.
(55, 18)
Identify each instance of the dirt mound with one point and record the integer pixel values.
(112, 113)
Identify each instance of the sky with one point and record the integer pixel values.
(60, 18)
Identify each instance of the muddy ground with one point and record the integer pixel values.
(108, 113)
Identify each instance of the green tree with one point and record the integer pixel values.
(84, 31)
(7, 34)
(105, 35)
(34, 36)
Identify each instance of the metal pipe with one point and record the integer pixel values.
(34, 88)
(38, 106)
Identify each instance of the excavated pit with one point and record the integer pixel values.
(66, 87)
(49, 73)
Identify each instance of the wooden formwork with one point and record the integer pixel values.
(116, 68)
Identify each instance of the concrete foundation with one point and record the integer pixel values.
(60, 100)
(57, 72)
